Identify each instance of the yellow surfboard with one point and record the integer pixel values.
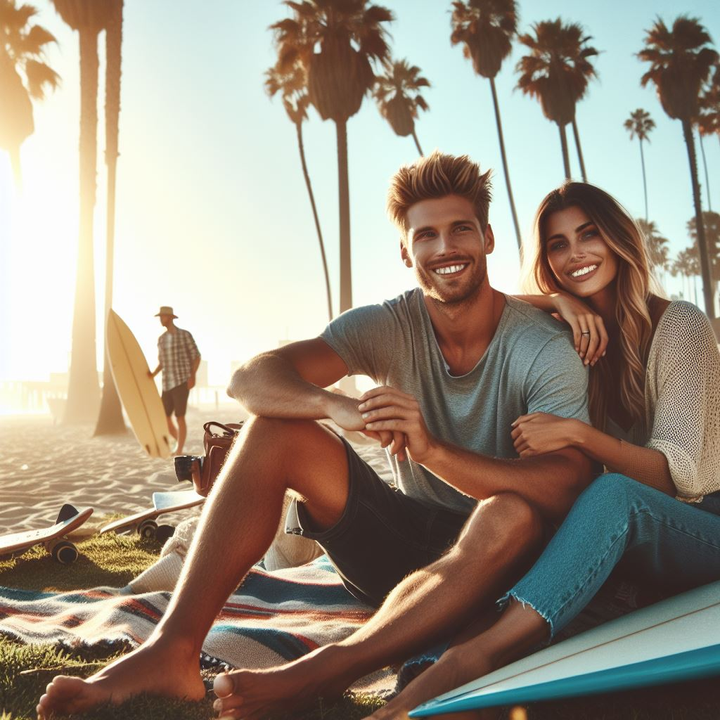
(136, 388)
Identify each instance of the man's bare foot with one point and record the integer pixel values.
(452, 670)
(148, 669)
(288, 687)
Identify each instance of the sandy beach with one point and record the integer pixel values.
(44, 465)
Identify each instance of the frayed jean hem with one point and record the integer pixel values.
(413, 667)
(504, 601)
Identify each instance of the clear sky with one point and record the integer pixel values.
(213, 216)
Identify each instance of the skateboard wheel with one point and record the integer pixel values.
(164, 533)
(64, 552)
(148, 529)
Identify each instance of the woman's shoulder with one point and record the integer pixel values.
(684, 318)
(684, 331)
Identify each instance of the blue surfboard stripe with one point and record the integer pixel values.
(693, 664)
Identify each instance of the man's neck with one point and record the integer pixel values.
(171, 328)
(465, 330)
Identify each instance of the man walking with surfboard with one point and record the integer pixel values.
(456, 362)
(179, 359)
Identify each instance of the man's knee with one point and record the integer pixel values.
(293, 443)
(282, 430)
(505, 523)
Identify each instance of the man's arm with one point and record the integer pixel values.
(288, 383)
(550, 482)
(193, 372)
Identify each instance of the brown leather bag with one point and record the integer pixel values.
(203, 470)
(217, 445)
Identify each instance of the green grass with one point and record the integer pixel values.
(114, 560)
(105, 560)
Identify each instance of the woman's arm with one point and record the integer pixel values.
(540, 433)
(647, 466)
(588, 329)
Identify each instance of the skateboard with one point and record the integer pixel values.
(144, 522)
(54, 538)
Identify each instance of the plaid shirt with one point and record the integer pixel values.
(177, 351)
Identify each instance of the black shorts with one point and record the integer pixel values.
(176, 400)
(382, 536)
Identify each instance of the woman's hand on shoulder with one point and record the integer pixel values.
(540, 433)
(589, 333)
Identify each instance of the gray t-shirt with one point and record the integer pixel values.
(529, 366)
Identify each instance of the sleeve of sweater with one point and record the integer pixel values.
(683, 380)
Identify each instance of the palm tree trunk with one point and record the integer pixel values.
(702, 243)
(579, 150)
(110, 420)
(503, 155)
(83, 387)
(417, 143)
(565, 154)
(308, 184)
(344, 205)
(642, 162)
(707, 177)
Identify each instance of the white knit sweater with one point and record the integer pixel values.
(682, 400)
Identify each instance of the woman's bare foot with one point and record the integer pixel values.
(150, 669)
(474, 655)
(453, 669)
(287, 687)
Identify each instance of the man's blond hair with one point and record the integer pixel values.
(436, 176)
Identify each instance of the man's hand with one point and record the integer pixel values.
(191, 382)
(343, 411)
(385, 409)
(384, 438)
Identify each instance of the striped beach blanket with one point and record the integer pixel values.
(274, 617)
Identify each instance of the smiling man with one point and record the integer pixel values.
(456, 362)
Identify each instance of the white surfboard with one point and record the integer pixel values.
(137, 390)
(676, 639)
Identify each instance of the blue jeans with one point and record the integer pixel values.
(660, 538)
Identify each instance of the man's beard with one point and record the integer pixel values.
(433, 288)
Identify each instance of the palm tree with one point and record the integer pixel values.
(486, 29)
(110, 420)
(557, 72)
(88, 17)
(680, 63)
(24, 76)
(709, 120)
(397, 93)
(657, 246)
(687, 265)
(705, 168)
(711, 225)
(336, 41)
(639, 125)
(291, 83)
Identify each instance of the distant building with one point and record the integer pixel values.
(201, 377)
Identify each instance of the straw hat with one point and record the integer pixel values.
(166, 310)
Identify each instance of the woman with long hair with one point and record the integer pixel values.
(655, 409)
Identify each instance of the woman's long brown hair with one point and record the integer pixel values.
(624, 238)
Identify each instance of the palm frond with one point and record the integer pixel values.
(40, 77)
